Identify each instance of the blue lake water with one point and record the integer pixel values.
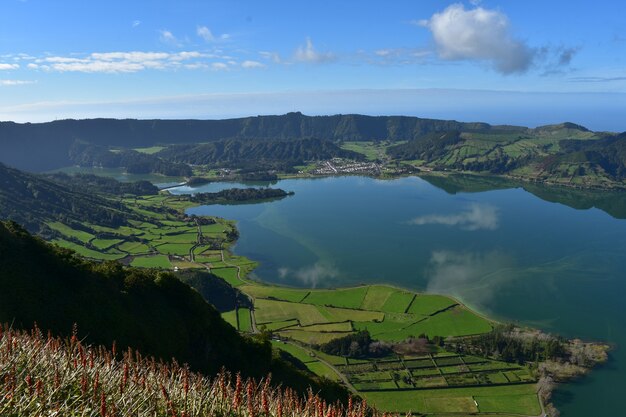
(499, 248)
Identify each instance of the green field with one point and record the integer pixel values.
(513, 399)
(445, 383)
(148, 243)
(156, 261)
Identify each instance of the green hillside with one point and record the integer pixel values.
(143, 309)
(32, 200)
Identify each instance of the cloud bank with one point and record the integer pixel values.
(476, 217)
(479, 34)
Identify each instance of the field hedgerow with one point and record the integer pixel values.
(48, 376)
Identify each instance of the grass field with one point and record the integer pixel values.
(156, 261)
(514, 399)
(445, 383)
(149, 242)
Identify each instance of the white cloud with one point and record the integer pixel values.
(208, 36)
(479, 34)
(476, 217)
(136, 23)
(307, 53)
(252, 64)
(271, 56)
(6, 67)
(168, 38)
(16, 82)
(118, 62)
(205, 33)
(219, 66)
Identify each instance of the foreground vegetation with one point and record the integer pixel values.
(52, 376)
(147, 309)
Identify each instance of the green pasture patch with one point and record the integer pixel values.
(489, 366)
(523, 399)
(473, 359)
(419, 363)
(389, 365)
(453, 369)
(151, 150)
(497, 378)
(267, 311)
(245, 323)
(278, 325)
(388, 330)
(134, 248)
(238, 260)
(277, 293)
(310, 338)
(206, 259)
(371, 150)
(334, 314)
(88, 253)
(303, 355)
(180, 238)
(374, 386)
(422, 372)
(398, 302)
(229, 275)
(345, 298)
(376, 297)
(186, 265)
(460, 380)
(450, 405)
(156, 261)
(180, 249)
(321, 369)
(521, 404)
(332, 359)
(359, 368)
(427, 304)
(371, 377)
(231, 318)
(69, 232)
(448, 361)
(330, 327)
(218, 265)
(431, 382)
(458, 321)
(214, 228)
(104, 244)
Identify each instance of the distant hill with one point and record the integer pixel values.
(565, 153)
(246, 151)
(144, 309)
(45, 146)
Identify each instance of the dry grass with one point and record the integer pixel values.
(48, 376)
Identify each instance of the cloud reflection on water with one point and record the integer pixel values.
(472, 277)
(311, 276)
(476, 217)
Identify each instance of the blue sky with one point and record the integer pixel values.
(529, 63)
